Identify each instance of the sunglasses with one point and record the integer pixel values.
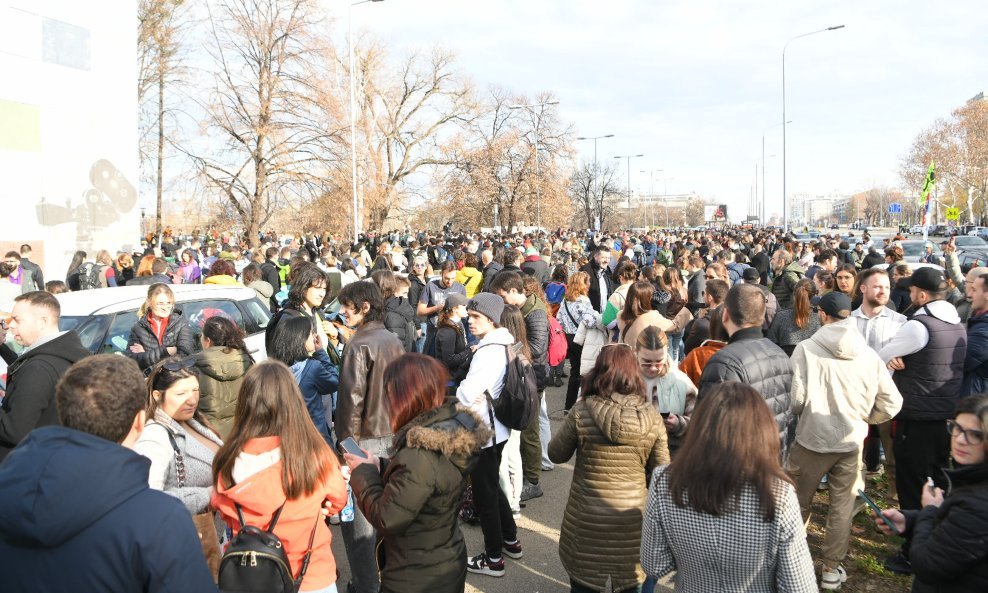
(973, 437)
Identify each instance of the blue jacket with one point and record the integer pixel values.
(976, 361)
(78, 515)
(317, 376)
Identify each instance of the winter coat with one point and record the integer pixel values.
(736, 551)
(617, 440)
(650, 318)
(263, 289)
(414, 500)
(536, 266)
(784, 283)
(592, 338)
(471, 279)
(260, 494)
(221, 371)
(537, 327)
(755, 361)
(317, 376)
(595, 284)
(490, 270)
(485, 377)
(177, 334)
(573, 313)
(399, 318)
(114, 533)
(673, 394)
(694, 362)
(198, 459)
(362, 407)
(976, 360)
(415, 288)
(31, 379)
(452, 350)
(948, 543)
(839, 387)
(900, 299)
(784, 332)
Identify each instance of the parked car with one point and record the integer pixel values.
(914, 249)
(916, 229)
(971, 243)
(103, 317)
(976, 231)
(971, 259)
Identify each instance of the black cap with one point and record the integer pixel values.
(835, 304)
(928, 279)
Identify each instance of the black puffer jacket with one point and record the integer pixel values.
(399, 318)
(413, 502)
(177, 334)
(756, 361)
(949, 550)
(452, 350)
(537, 327)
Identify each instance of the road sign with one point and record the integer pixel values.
(895, 208)
(953, 213)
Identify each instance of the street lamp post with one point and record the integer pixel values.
(651, 192)
(353, 118)
(538, 122)
(629, 157)
(785, 212)
(600, 203)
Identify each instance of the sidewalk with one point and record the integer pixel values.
(540, 570)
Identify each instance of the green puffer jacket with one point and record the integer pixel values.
(785, 283)
(413, 502)
(618, 441)
(220, 376)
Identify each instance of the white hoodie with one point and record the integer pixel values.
(486, 374)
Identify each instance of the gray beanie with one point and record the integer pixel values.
(487, 304)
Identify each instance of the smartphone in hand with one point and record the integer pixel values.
(878, 512)
(349, 445)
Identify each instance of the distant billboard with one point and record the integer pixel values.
(715, 213)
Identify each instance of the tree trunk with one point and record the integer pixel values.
(159, 183)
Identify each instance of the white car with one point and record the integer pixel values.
(103, 317)
(977, 231)
(916, 229)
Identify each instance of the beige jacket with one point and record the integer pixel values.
(839, 387)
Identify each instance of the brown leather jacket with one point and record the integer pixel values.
(362, 407)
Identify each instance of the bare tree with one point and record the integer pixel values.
(693, 214)
(161, 24)
(594, 190)
(406, 112)
(273, 137)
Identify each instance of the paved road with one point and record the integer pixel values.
(540, 571)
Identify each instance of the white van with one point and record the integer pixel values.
(103, 317)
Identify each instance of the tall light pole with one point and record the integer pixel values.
(629, 157)
(651, 192)
(538, 122)
(353, 118)
(785, 197)
(600, 203)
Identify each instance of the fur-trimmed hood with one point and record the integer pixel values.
(452, 430)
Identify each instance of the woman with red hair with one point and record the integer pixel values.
(412, 498)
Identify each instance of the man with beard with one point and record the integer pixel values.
(602, 284)
(877, 323)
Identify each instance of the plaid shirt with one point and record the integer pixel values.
(735, 552)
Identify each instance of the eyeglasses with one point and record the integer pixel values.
(973, 437)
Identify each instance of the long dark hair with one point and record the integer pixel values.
(290, 335)
(414, 383)
(270, 404)
(639, 301)
(514, 322)
(303, 277)
(804, 291)
(223, 332)
(732, 441)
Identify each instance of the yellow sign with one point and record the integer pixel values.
(953, 213)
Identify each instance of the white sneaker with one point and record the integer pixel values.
(833, 579)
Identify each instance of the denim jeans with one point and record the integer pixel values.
(420, 341)
(545, 432)
(359, 536)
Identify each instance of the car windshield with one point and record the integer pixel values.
(913, 248)
(970, 242)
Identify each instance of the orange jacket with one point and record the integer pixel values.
(694, 362)
(261, 494)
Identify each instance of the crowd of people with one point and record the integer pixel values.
(714, 381)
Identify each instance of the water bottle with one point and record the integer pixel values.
(346, 514)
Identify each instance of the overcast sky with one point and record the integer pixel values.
(694, 85)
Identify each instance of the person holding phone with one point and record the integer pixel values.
(948, 534)
(412, 498)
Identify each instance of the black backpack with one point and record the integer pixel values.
(519, 401)
(256, 561)
(88, 276)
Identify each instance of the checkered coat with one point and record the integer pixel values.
(735, 552)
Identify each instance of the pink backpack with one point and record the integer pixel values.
(557, 342)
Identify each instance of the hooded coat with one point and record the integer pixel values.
(31, 379)
(413, 502)
(618, 440)
(78, 515)
(839, 387)
(221, 371)
(785, 282)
